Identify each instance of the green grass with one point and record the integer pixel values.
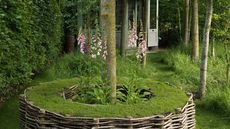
(9, 115)
(47, 96)
(209, 120)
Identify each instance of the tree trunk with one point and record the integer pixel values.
(69, 42)
(195, 52)
(146, 25)
(213, 49)
(228, 73)
(124, 27)
(186, 23)
(228, 62)
(108, 24)
(179, 20)
(204, 58)
(190, 22)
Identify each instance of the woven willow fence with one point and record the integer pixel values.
(32, 117)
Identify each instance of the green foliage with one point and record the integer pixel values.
(131, 67)
(77, 64)
(77, 12)
(92, 91)
(131, 92)
(221, 17)
(186, 74)
(30, 38)
(74, 65)
(93, 94)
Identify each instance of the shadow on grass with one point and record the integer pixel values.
(209, 120)
(9, 115)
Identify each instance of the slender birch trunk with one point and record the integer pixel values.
(195, 51)
(146, 26)
(186, 23)
(204, 58)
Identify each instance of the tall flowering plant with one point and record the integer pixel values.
(142, 46)
(98, 48)
(141, 52)
(82, 43)
(94, 47)
(132, 38)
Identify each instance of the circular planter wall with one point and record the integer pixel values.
(34, 117)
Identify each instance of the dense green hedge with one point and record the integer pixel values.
(30, 39)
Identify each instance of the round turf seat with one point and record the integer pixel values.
(45, 106)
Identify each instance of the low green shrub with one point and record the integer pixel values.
(74, 65)
(78, 64)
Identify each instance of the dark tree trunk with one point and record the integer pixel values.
(124, 27)
(69, 41)
(186, 23)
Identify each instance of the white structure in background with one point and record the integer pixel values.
(153, 37)
(143, 9)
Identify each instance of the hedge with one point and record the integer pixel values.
(30, 39)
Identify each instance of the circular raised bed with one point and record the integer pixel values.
(45, 107)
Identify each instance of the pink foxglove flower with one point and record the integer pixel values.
(132, 38)
(97, 47)
(82, 42)
(142, 48)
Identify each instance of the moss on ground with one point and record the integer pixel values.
(47, 96)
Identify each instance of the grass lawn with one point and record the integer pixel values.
(9, 114)
(161, 72)
(209, 120)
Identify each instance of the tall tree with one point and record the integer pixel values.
(195, 51)
(186, 23)
(204, 58)
(146, 25)
(108, 32)
(124, 26)
(179, 20)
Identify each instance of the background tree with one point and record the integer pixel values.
(195, 51)
(186, 22)
(75, 13)
(221, 30)
(179, 20)
(108, 32)
(124, 26)
(204, 58)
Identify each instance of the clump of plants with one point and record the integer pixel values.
(99, 93)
